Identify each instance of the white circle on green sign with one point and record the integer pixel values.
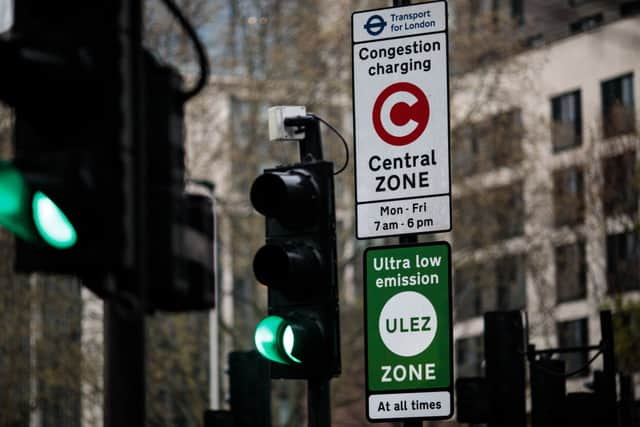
(408, 323)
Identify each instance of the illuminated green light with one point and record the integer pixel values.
(12, 189)
(266, 338)
(14, 206)
(288, 342)
(52, 224)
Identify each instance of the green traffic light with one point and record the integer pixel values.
(32, 216)
(274, 339)
(12, 189)
(14, 205)
(288, 343)
(52, 224)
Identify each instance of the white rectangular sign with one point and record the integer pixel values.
(401, 120)
(435, 404)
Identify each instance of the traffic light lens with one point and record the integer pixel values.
(266, 338)
(12, 188)
(15, 212)
(271, 265)
(292, 267)
(268, 194)
(288, 342)
(291, 198)
(52, 224)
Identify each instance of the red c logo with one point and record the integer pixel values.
(397, 116)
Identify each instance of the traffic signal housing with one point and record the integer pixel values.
(180, 228)
(298, 265)
(472, 400)
(504, 346)
(63, 76)
(249, 389)
(96, 187)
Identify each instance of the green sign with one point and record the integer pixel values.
(409, 332)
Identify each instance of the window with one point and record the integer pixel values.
(510, 282)
(465, 151)
(487, 286)
(574, 333)
(626, 324)
(479, 10)
(568, 196)
(534, 41)
(468, 292)
(630, 8)
(571, 276)
(467, 218)
(517, 11)
(469, 356)
(566, 114)
(623, 262)
(513, 9)
(506, 138)
(504, 208)
(492, 143)
(620, 190)
(585, 24)
(489, 216)
(618, 112)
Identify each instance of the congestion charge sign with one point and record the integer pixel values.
(401, 120)
(409, 370)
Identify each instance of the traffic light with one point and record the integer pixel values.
(180, 234)
(65, 188)
(298, 266)
(505, 370)
(97, 183)
(472, 401)
(30, 213)
(548, 392)
(249, 389)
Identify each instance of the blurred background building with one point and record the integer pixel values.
(545, 181)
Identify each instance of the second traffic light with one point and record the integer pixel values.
(298, 265)
(505, 368)
(63, 193)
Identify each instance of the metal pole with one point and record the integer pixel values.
(319, 403)
(609, 396)
(318, 390)
(125, 370)
(548, 392)
(311, 146)
(125, 334)
(411, 238)
(627, 401)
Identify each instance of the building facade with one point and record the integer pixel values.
(545, 183)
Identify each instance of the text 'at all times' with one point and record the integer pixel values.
(414, 405)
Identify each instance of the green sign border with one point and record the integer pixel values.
(450, 388)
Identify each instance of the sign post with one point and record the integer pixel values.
(401, 120)
(408, 321)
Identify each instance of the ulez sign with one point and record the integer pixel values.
(408, 339)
